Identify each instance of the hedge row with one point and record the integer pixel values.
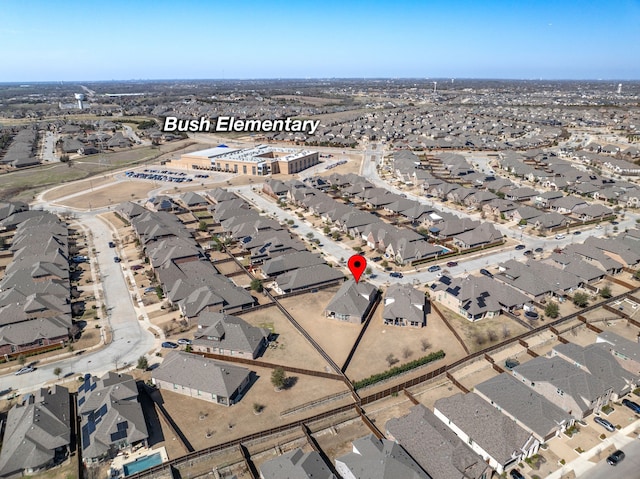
(375, 378)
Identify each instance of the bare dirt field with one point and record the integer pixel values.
(239, 420)
(335, 337)
(429, 393)
(291, 348)
(338, 444)
(391, 407)
(475, 373)
(114, 194)
(380, 340)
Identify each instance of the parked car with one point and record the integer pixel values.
(112, 244)
(604, 423)
(24, 370)
(559, 237)
(434, 268)
(615, 458)
(116, 259)
(634, 406)
(451, 264)
(528, 253)
(598, 227)
(515, 474)
(519, 247)
(396, 275)
(486, 273)
(184, 341)
(538, 250)
(169, 345)
(577, 232)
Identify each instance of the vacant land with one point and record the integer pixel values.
(335, 337)
(290, 348)
(403, 343)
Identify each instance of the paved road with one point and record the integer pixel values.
(629, 468)
(48, 147)
(130, 340)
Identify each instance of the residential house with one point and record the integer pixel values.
(307, 278)
(625, 351)
(220, 333)
(37, 433)
(566, 385)
(201, 378)
(530, 410)
(477, 297)
(111, 418)
(290, 261)
(352, 302)
(405, 306)
(597, 360)
(483, 235)
(490, 434)
(296, 465)
(435, 447)
(374, 458)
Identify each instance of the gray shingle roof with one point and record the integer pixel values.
(35, 429)
(374, 458)
(494, 432)
(352, 299)
(197, 372)
(296, 465)
(228, 332)
(403, 301)
(434, 446)
(535, 412)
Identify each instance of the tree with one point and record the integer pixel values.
(57, 371)
(552, 309)
(368, 271)
(22, 359)
(310, 235)
(605, 292)
(326, 230)
(278, 378)
(391, 359)
(424, 344)
(581, 299)
(203, 226)
(522, 222)
(143, 363)
(256, 285)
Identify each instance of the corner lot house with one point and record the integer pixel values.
(37, 433)
(111, 417)
(626, 352)
(220, 333)
(201, 378)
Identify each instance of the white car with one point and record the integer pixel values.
(559, 237)
(598, 227)
(24, 370)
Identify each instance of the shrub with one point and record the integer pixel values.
(375, 378)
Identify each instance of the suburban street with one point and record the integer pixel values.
(629, 468)
(130, 339)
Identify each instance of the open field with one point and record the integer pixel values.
(335, 337)
(25, 184)
(290, 348)
(380, 340)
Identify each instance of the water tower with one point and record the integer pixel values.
(80, 99)
(619, 90)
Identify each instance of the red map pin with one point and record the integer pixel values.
(357, 264)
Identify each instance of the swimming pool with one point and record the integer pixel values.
(142, 463)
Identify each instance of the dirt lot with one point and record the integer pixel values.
(290, 348)
(186, 411)
(335, 337)
(478, 335)
(384, 340)
(338, 444)
(429, 393)
(475, 373)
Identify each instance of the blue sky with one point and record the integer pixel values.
(121, 40)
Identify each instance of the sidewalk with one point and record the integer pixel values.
(582, 464)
